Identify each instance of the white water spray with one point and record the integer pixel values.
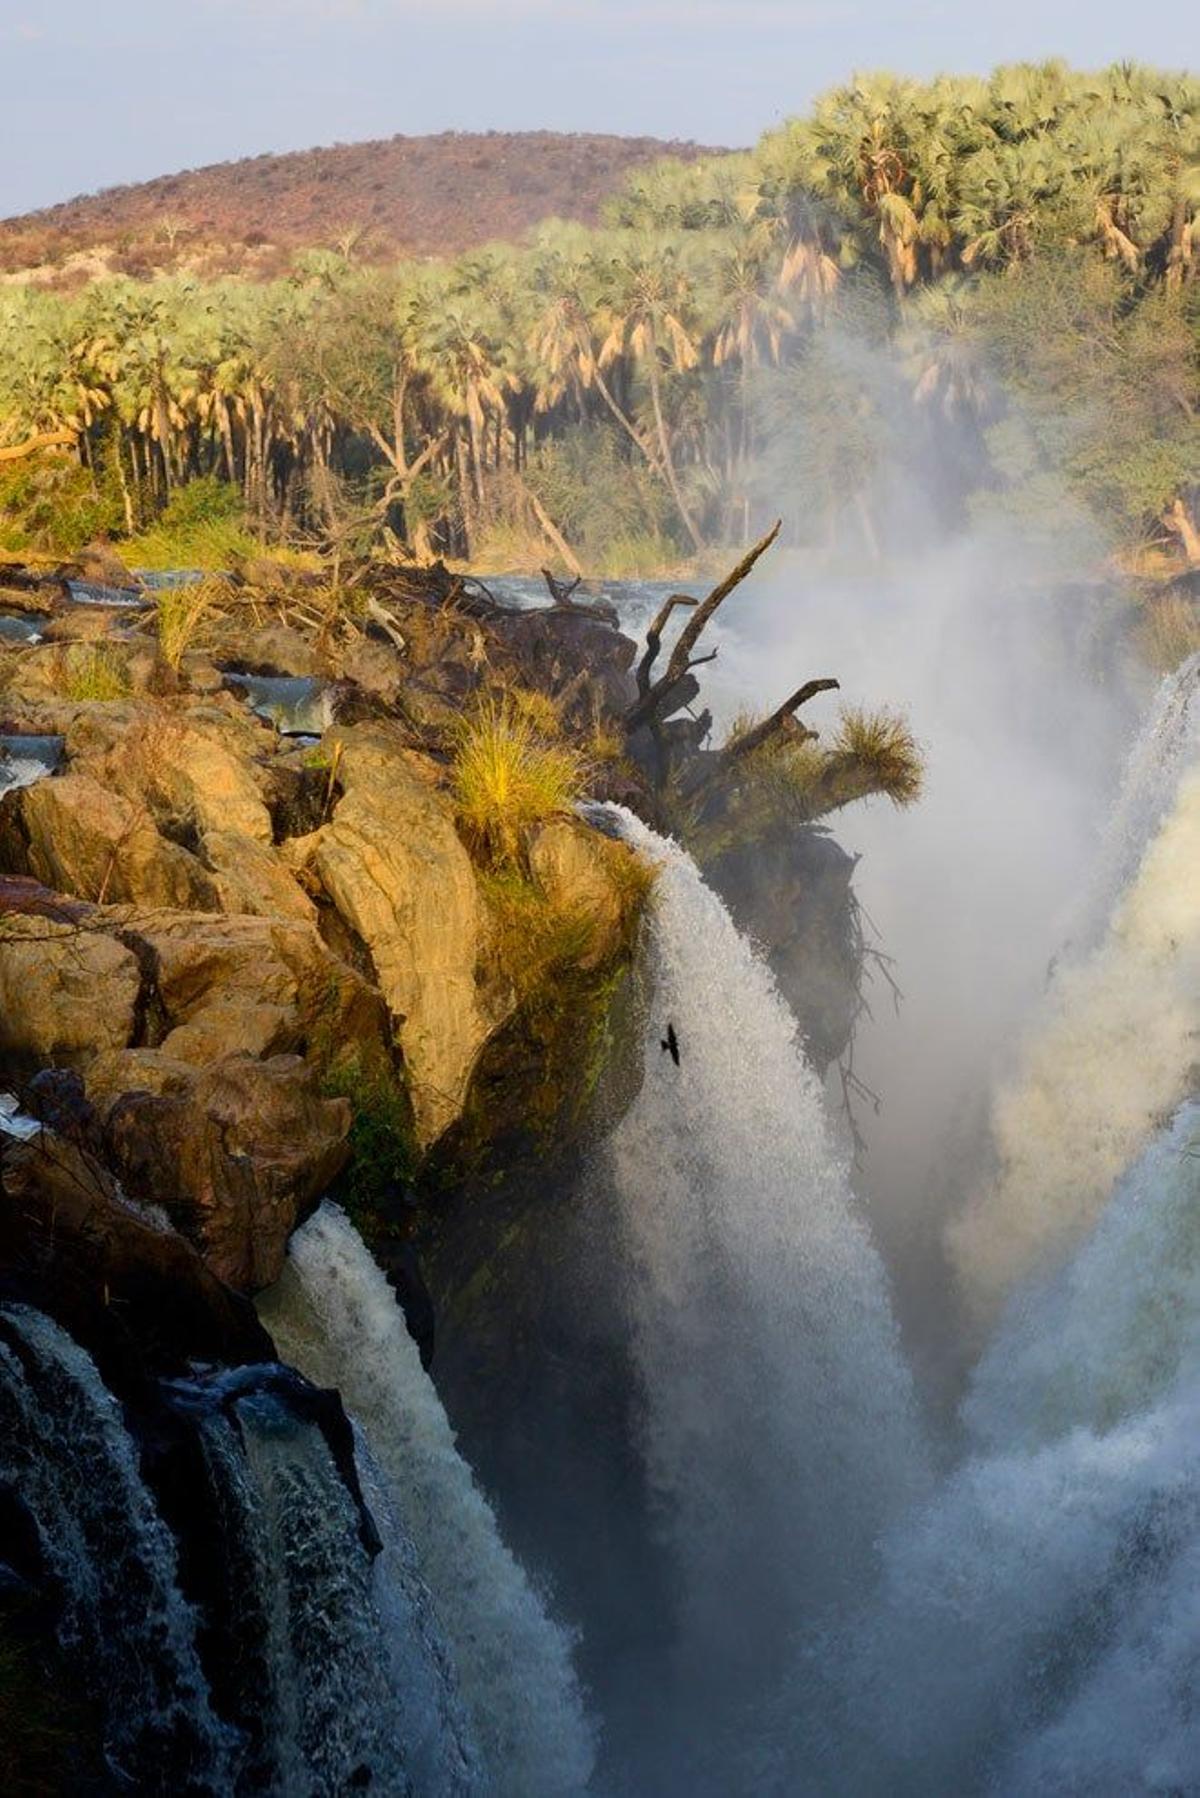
(335, 1317)
(1113, 1051)
(1036, 1629)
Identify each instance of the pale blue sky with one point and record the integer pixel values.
(102, 91)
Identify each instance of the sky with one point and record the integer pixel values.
(98, 92)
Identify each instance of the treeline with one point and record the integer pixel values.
(1024, 250)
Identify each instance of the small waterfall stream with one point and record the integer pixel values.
(65, 1453)
(334, 1315)
(306, 1667)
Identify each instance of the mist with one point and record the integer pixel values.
(1001, 647)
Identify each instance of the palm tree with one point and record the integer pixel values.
(647, 304)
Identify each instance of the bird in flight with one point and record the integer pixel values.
(670, 1044)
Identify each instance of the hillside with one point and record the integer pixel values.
(419, 196)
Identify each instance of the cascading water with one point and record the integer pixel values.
(309, 1669)
(334, 1315)
(780, 1426)
(1164, 748)
(1110, 1055)
(1036, 1628)
(353, 1686)
(65, 1452)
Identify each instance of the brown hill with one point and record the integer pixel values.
(418, 196)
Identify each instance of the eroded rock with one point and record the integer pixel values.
(67, 991)
(396, 869)
(80, 837)
(235, 1157)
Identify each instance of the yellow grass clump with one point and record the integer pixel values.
(507, 779)
(884, 749)
(92, 671)
(182, 612)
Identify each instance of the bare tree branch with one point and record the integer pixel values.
(753, 739)
(651, 697)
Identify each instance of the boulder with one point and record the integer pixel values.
(235, 1158)
(120, 1280)
(589, 875)
(100, 564)
(265, 649)
(67, 991)
(394, 866)
(252, 878)
(272, 979)
(374, 668)
(182, 767)
(79, 837)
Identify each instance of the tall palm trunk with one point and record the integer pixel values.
(664, 444)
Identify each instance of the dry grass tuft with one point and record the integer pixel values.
(507, 779)
(885, 750)
(182, 614)
(91, 671)
(538, 710)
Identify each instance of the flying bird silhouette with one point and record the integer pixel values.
(670, 1044)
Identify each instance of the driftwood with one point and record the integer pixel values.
(560, 591)
(654, 638)
(782, 716)
(654, 695)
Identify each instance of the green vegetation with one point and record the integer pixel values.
(795, 778)
(506, 779)
(1024, 249)
(382, 1156)
(202, 525)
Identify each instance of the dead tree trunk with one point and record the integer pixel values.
(654, 696)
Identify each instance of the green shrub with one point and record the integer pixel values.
(49, 505)
(203, 525)
(382, 1153)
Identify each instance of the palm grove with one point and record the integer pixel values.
(1013, 258)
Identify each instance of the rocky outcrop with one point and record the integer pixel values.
(252, 878)
(78, 836)
(110, 1271)
(394, 866)
(791, 892)
(67, 993)
(203, 1044)
(244, 928)
(588, 875)
(235, 1153)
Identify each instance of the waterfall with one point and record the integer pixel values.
(1036, 1629)
(1111, 1053)
(126, 1628)
(304, 1667)
(780, 1427)
(334, 1315)
(1165, 746)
